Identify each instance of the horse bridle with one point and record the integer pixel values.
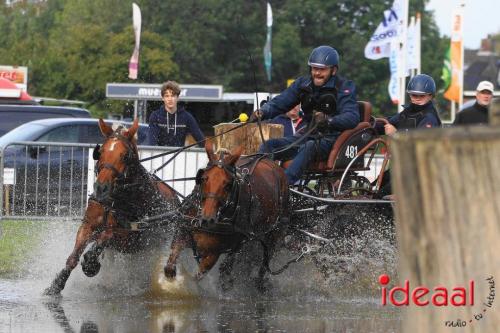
(226, 202)
(131, 153)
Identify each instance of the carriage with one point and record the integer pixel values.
(354, 171)
(251, 189)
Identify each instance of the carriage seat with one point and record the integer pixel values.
(355, 137)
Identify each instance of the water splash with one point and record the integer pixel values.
(183, 286)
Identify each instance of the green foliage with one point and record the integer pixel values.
(17, 240)
(73, 48)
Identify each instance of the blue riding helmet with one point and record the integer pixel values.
(421, 84)
(323, 56)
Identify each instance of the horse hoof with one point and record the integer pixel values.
(91, 267)
(52, 291)
(170, 273)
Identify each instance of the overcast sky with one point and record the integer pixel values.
(482, 17)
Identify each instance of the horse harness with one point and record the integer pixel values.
(126, 218)
(234, 214)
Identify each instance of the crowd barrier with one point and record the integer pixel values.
(42, 180)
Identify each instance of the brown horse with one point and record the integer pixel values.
(237, 199)
(124, 193)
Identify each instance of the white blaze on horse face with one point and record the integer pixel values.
(112, 145)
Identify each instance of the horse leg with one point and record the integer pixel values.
(267, 252)
(181, 241)
(90, 263)
(206, 263)
(225, 271)
(84, 236)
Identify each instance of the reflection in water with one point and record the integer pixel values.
(57, 312)
(141, 315)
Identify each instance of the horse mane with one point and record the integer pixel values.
(223, 151)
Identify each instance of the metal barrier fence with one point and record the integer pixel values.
(42, 180)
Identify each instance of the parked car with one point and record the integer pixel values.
(70, 130)
(49, 177)
(13, 115)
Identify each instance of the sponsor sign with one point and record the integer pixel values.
(189, 92)
(9, 176)
(18, 75)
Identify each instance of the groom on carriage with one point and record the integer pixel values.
(329, 105)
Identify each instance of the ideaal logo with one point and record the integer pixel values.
(438, 296)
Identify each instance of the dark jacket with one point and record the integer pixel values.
(288, 124)
(475, 114)
(415, 116)
(346, 115)
(167, 129)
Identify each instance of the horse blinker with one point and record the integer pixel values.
(96, 154)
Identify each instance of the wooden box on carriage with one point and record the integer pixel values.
(248, 136)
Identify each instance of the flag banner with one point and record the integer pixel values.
(379, 45)
(418, 40)
(133, 67)
(267, 48)
(393, 87)
(411, 45)
(446, 71)
(456, 58)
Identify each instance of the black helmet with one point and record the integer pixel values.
(421, 84)
(323, 56)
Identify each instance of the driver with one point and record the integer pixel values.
(329, 104)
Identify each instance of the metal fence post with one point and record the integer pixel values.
(1, 183)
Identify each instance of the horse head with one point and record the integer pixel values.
(114, 157)
(218, 183)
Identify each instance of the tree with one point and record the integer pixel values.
(74, 47)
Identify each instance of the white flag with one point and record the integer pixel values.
(379, 45)
(268, 58)
(133, 66)
(413, 44)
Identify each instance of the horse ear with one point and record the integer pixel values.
(105, 129)
(209, 148)
(133, 129)
(234, 156)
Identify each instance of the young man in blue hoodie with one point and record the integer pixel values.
(169, 125)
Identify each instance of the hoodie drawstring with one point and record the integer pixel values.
(175, 124)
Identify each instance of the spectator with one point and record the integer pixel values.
(170, 124)
(478, 113)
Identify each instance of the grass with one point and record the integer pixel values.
(17, 239)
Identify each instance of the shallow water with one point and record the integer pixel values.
(129, 295)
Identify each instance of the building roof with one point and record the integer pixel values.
(481, 65)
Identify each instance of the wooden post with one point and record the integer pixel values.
(248, 136)
(447, 188)
(495, 112)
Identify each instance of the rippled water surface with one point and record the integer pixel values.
(329, 291)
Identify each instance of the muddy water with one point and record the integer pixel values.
(130, 295)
